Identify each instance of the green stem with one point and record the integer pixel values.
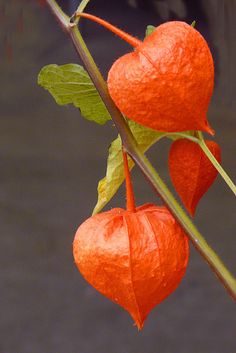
(60, 15)
(195, 236)
(81, 8)
(216, 164)
(82, 5)
(150, 173)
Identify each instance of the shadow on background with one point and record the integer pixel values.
(51, 160)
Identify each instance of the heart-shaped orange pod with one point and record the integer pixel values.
(192, 173)
(136, 259)
(166, 83)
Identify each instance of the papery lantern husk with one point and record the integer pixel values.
(191, 171)
(167, 82)
(136, 259)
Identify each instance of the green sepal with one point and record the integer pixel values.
(149, 30)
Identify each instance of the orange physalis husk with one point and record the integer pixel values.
(192, 173)
(135, 257)
(167, 82)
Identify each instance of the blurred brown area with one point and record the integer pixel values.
(51, 160)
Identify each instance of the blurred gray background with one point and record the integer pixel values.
(51, 160)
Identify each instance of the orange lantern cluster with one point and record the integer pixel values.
(137, 256)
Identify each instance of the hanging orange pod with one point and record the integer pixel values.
(135, 257)
(167, 82)
(191, 172)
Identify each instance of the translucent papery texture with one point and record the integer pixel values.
(192, 173)
(136, 259)
(167, 82)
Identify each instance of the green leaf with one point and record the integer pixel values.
(149, 30)
(193, 24)
(108, 186)
(71, 84)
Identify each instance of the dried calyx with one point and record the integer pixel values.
(166, 83)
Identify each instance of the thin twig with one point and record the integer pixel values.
(216, 164)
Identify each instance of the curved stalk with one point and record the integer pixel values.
(134, 42)
(130, 201)
(216, 164)
(81, 8)
(131, 147)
